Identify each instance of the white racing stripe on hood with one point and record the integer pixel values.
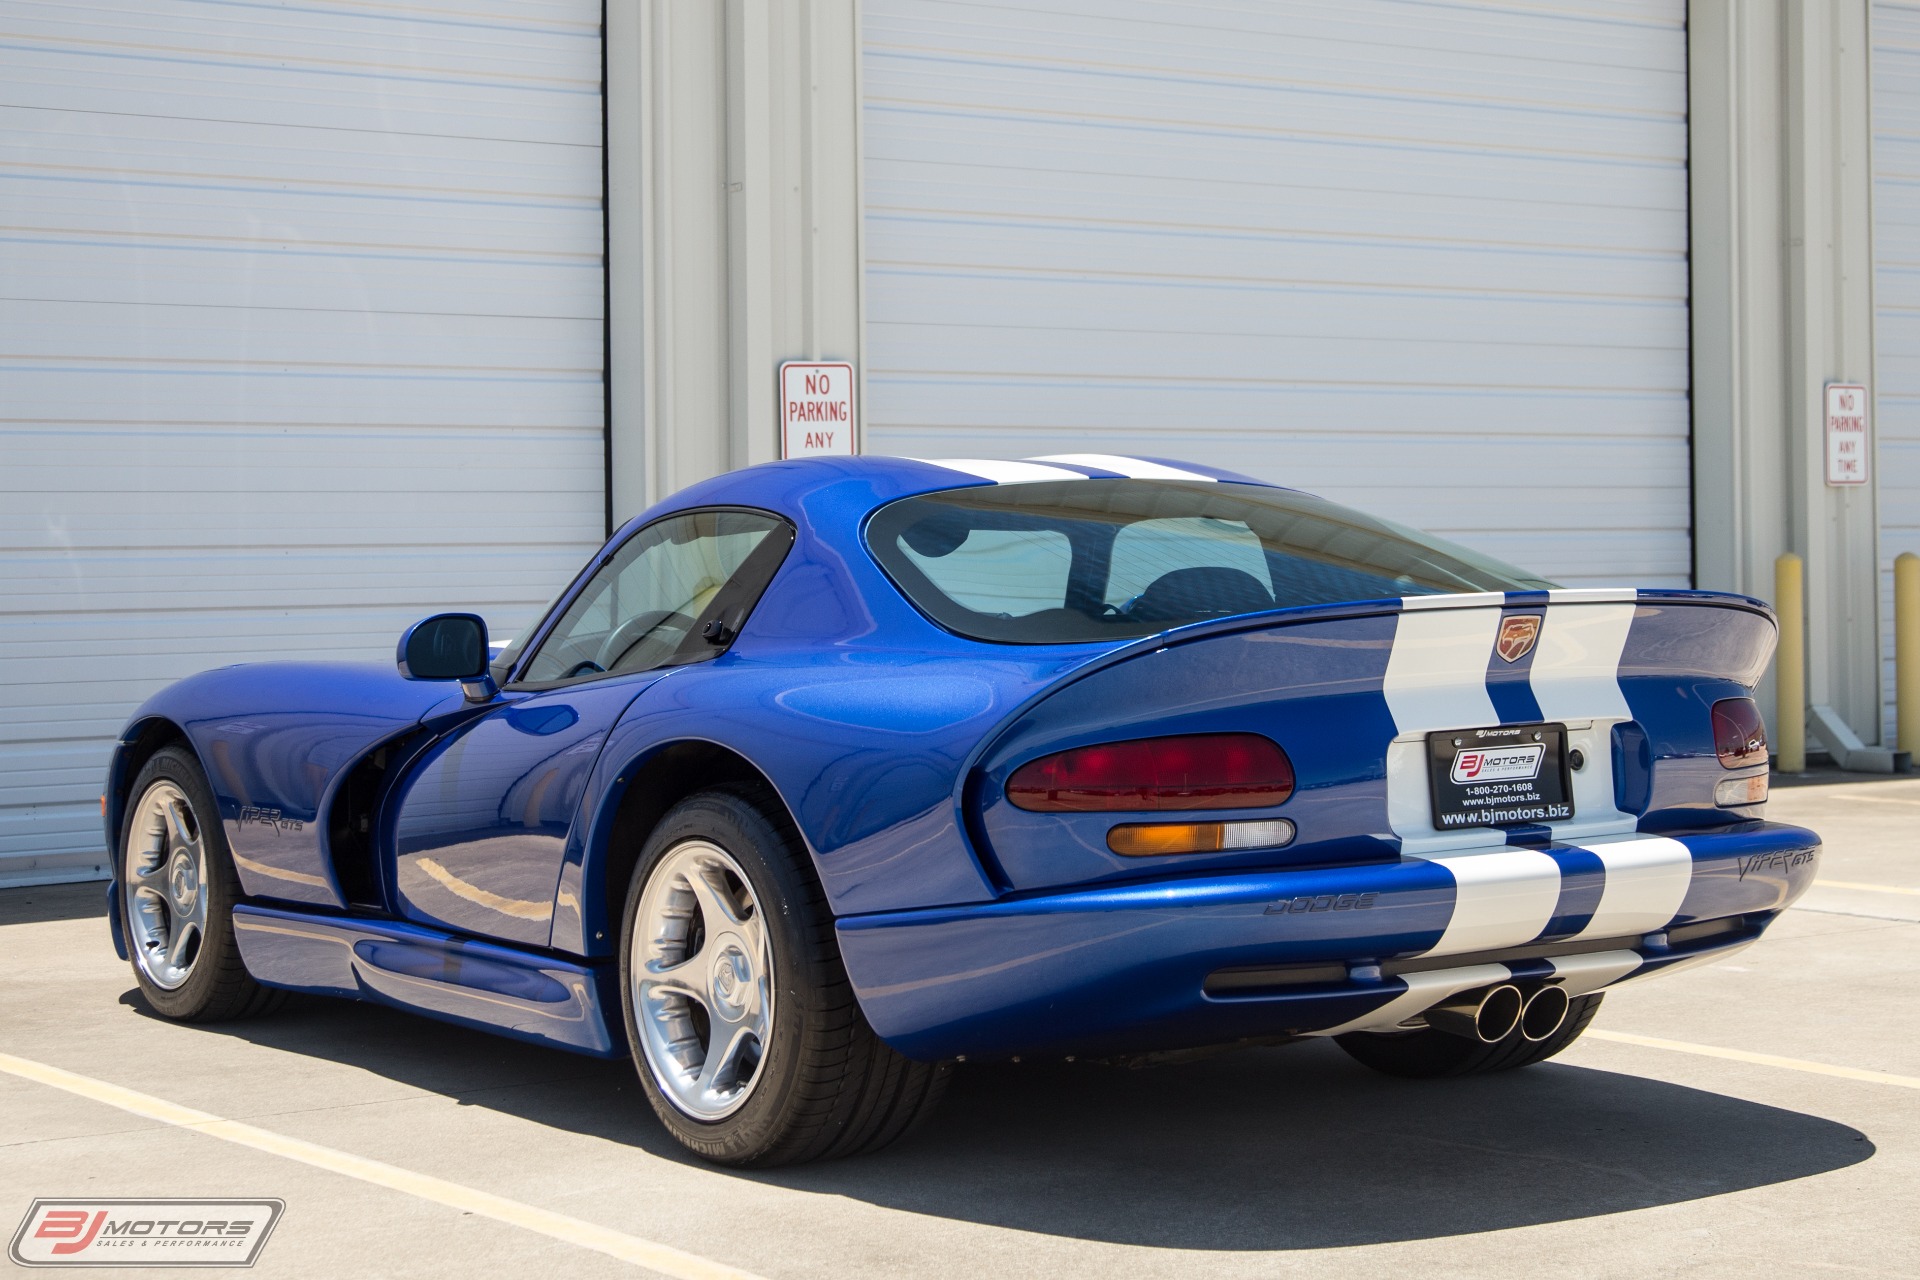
(1132, 468)
(1002, 472)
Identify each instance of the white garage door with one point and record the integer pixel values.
(1896, 299)
(1426, 258)
(300, 339)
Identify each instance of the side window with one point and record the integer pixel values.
(649, 605)
(1168, 552)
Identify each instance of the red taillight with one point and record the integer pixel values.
(1204, 771)
(1739, 734)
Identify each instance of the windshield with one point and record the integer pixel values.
(1083, 560)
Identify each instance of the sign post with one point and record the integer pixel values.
(816, 409)
(1849, 446)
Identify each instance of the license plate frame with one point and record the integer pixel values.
(1480, 777)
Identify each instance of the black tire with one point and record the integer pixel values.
(826, 1085)
(1427, 1054)
(217, 986)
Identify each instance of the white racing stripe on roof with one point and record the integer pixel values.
(1132, 468)
(1002, 472)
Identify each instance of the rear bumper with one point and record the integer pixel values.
(1206, 960)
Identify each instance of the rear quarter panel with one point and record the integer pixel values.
(275, 740)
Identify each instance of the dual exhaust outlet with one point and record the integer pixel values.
(1491, 1016)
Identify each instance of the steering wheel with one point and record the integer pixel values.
(636, 631)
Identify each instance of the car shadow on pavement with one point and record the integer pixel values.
(43, 903)
(1291, 1148)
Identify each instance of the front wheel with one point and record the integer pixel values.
(177, 890)
(743, 1026)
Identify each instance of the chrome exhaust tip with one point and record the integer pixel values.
(1545, 1011)
(1488, 1017)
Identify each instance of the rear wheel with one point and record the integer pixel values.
(1426, 1053)
(177, 890)
(743, 1026)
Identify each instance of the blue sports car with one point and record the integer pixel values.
(825, 775)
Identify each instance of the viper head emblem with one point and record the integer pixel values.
(1517, 635)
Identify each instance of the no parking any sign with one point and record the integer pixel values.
(816, 409)
(1849, 447)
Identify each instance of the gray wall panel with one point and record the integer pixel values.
(300, 339)
(1430, 259)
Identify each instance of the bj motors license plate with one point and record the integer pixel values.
(1499, 777)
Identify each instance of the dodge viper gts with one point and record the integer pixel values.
(826, 775)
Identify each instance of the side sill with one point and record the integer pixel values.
(519, 994)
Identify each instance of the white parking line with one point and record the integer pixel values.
(662, 1258)
(1870, 888)
(1757, 1059)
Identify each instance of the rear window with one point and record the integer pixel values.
(1084, 560)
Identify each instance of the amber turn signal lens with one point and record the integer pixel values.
(1157, 839)
(1738, 791)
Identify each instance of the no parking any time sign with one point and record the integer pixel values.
(816, 409)
(1848, 446)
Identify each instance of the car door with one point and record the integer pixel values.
(481, 822)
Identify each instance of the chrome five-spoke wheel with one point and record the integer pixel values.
(701, 971)
(166, 884)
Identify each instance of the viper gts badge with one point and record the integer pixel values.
(269, 818)
(1517, 635)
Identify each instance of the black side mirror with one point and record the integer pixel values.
(448, 646)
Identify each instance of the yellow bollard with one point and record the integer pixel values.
(1906, 651)
(1790, 665)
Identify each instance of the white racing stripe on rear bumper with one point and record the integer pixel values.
(1501, 898)
(1647, 878)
